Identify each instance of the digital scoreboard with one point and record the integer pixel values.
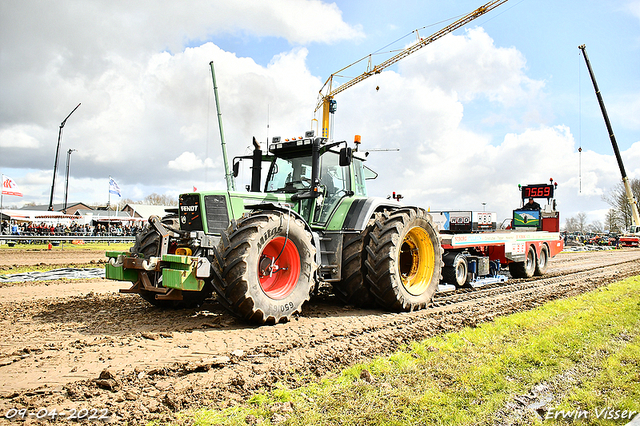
(537, 191)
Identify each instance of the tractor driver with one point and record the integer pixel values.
(531, 205)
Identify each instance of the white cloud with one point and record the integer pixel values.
(18, 137)
(634, 8)
(631, 159)
(187, 161)
(74, 33)
(139, 115)
(471, 65)
(56, 54)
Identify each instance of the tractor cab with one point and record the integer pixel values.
(314, 176)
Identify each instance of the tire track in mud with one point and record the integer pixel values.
(53, 350)
(518, 285)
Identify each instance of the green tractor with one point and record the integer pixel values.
(263, 253)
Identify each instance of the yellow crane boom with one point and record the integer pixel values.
(325, 98)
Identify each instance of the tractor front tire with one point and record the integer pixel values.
(268, 266)
(404, 259)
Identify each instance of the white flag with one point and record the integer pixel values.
(113, 187)
(9, 187)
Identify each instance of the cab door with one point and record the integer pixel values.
(335, 184)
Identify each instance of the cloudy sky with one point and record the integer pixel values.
(506, 100)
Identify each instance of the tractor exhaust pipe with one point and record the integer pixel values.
(256, 168)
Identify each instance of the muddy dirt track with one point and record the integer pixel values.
(80, 344)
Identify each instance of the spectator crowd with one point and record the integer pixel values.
(44, 229)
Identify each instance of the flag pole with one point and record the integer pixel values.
(109, 213)
(1, 203)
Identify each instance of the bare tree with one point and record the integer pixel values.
(617, 199)
(578, 223)
(153, 199)
(596, 226)
(612, 222)
(160, 200)
(581, 222)
(570, 225)
(123, 203)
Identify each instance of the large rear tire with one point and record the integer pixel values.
(524, 269)
(353, 289)
(404, 259)
(268, 266)
(147, 245)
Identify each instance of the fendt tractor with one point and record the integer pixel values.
(263, 254)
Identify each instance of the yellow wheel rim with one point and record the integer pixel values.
(416, 261)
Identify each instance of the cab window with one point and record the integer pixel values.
(358, 171)
(289, 175)
(361, 174)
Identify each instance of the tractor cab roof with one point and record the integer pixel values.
(302, 147)
(297, 147)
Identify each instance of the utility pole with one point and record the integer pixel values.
(55, 164)
(66, 186)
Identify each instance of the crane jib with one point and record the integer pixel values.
(408, 51)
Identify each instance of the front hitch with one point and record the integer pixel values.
(165, 233)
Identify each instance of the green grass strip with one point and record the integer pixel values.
(68, 246)
(585, 349)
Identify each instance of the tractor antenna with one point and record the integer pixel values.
(380, 150)
(228, 176)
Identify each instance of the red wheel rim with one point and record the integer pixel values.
(279, 278)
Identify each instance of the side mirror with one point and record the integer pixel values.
(236, 169)
(346, 155)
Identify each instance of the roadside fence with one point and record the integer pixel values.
(59, 239)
